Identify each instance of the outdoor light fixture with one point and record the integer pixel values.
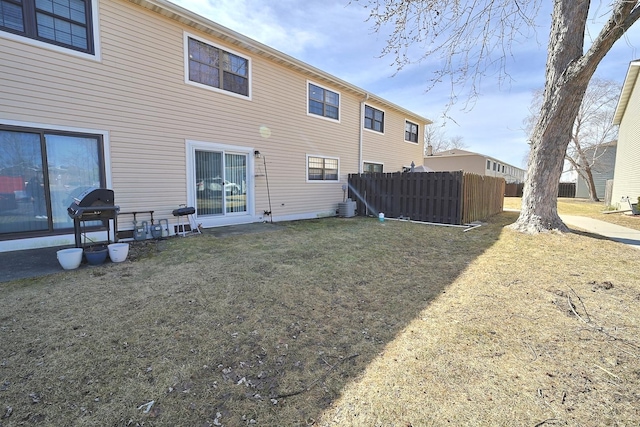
(256, 154)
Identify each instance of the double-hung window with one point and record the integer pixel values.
(410, 131)
(324, 102)
(373, 119)
(217, 68)
(65, 23)
(322, 168)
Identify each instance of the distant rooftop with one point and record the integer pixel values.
(456, 152)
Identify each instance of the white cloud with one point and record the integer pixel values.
(258, 20)
(333, 36)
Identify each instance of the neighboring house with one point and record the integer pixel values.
(603, 159)
(626, 177)
(455, 160)
(166, 107)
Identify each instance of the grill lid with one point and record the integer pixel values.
(95, 197)
(93, 203)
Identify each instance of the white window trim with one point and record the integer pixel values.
(228, 218)
(186, 37)
(95, 56)
(404, 131)
(324, 117)
(384, 120)
(321, 181)
(372, 162)
(65, 239)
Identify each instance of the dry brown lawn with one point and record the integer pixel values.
(334, 322)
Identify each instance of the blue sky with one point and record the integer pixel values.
(333, 35)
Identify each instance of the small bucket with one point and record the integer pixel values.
(381, 217)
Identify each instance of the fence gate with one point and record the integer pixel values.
(428, 197)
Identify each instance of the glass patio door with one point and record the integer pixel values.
(41, 172)
(220, 183)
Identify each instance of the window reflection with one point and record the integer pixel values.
(39, 173)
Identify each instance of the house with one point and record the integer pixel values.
(602, 159)
(626, 176)
(468, 161)
(166, 108)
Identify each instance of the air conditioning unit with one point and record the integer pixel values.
(347, 209)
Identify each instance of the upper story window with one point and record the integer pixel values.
(65, 23)
(324, 102)
(322, 168)
(217, 68)
(373, 119)
(410, 132)
(488, 164)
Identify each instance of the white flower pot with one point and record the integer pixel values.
(118, 251)
(70, 259)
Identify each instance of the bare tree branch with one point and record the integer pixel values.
(593, 129)
(467, 41)
(464, 41)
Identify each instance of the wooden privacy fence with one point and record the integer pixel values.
(440, 197)
(565, 189)
(483, 197)
(513, 190)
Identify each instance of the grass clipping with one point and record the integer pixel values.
(332, 322)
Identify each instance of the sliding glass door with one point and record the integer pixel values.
(220, 179)
(40, 173)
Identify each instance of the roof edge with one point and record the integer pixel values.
(627, 89)
(192, 19)
(467, 153)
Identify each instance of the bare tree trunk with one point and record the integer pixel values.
(563, 93)
(593, 191)
(567, 76)
(584, 170)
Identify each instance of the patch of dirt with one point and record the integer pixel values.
(606, 285)
(145, 249)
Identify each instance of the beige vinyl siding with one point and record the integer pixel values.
(390, 148)
(137, 93)
(627, 167)
(471, 164)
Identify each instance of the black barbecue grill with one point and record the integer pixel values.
(94, 204)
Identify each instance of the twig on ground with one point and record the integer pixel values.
(592, 325)
(627, 351)
(311, 385)
(545, 421)
(572, 307)
(535, 355)
(613, 375)
(581, 303)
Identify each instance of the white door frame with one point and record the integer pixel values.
(223, 219)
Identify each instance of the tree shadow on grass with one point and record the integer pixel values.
(627, 241)
(266, 327)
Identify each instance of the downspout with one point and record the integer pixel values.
(360, 159)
